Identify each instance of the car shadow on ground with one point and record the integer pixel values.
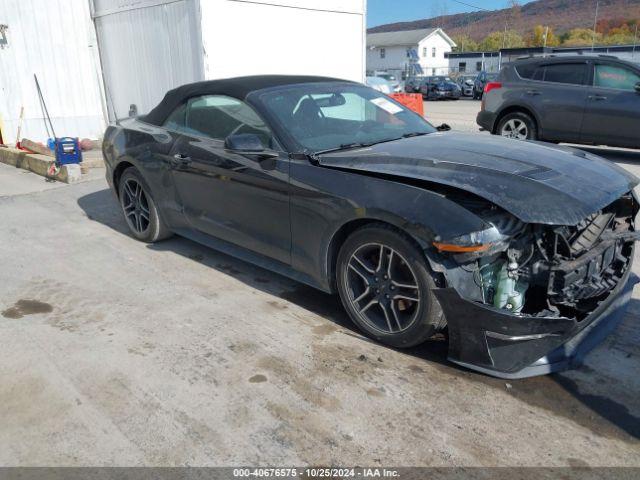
(561, 394)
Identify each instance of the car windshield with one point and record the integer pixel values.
(438, 79)
(376, 81)
(333, 116)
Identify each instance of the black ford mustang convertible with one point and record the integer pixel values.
(517, 249)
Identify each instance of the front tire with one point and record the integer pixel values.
(386, 287)
(139, 208)
(518, 125)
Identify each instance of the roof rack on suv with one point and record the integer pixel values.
(538, 55)
(566, 54)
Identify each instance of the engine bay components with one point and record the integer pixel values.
(501, 286)
(555, 270)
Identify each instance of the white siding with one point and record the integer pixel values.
(150, 46)
(146, 47)
(309, 37)
(53, 39)
(395, 58)
(438, 65)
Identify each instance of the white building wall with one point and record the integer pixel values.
(306, 37)
(395, 58)
(438, 65)
(147, 47)
(53, 39)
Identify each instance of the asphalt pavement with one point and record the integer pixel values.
(115, 352)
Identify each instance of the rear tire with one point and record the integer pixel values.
(386, 287)
(139, 208)
(518, 125)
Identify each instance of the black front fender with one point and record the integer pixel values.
(324, 200)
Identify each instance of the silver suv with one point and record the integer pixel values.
(577, 99)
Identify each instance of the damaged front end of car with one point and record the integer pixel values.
(521, 297)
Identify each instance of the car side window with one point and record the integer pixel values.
(538, 75)
(610, 76)
(177, 120)
(526, 71)
(569, 73)
(218, 116)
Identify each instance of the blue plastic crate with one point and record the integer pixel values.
(68, 151)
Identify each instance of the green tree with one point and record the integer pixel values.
(536, 39)
(579, 37)
(497, 40)
(465, 43)
(620, 36)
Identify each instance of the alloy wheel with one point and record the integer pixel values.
(136, 206)
(515, 128)
(383, 288)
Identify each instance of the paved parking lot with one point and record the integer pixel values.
(119, 353)
(459, 114)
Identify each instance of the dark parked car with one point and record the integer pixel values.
(581, 99)
(481, 82)
(516, 249)
(412, 84)
(440, 88)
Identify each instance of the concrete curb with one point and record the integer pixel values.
(92, 159)
(39, 164)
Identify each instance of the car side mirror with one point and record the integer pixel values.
(244, 143)
(637, 87)
(443, 128)
(250, 144)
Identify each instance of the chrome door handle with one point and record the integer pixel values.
(597, 98)
(533, 92)
(181, 160)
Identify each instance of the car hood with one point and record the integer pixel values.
(536, 182)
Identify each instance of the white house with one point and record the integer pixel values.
(94, 58)
(398, 51)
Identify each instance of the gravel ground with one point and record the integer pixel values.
(119, 353)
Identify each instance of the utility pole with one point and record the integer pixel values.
(546, 34)
(504, 36)
(635, 42)
(595, 24)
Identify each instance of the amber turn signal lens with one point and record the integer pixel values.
(448, 247)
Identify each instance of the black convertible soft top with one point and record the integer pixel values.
(238, 87)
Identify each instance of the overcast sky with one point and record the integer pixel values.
(389, 11)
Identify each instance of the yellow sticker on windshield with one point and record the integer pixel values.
(386, 105)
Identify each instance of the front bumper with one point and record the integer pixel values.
(448, 94)
(505, 345)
